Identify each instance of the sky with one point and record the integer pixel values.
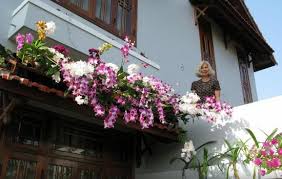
(268, 16)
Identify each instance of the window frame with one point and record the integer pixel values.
(206, 42)
(44, 155)
(90, 16)
(244, 76)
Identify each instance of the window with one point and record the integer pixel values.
(25, 130)
(244, 74)
(116, 16)
(40, 144)
(78, 141)
(206, 41)
(20, 169)
(90, 174)
(59, 172)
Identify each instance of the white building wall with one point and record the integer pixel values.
(167, 35)
(253, 83)
(157, 166)
(227, 68)
(6, 10)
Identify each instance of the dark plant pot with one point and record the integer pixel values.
(33, 74)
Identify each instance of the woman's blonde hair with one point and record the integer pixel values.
(198, 72)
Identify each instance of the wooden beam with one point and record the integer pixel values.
(198, 12)
(226, 7)
(7, 109)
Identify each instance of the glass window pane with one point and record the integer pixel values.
(25, 131)
(108, 11)
(83, 4)
(98, 10)
(90, 174)
(59, 172)
(128, 23)
(124, 17)
(79, 142)
(119, 18)
(21, 169)
(103, 10)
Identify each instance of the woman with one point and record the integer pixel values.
(207, 85)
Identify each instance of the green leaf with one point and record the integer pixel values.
(272, 134)
(120, 70)
(52, 71)
(228, 144)
(207, 143)
(205, 162)
(194, 163)
(236, 154)
(66, 93)
(177, 158)
(182, 137)
(205, 154)
(121, 75)
(215, 159)
(227, 172)
(253, 137)
(254, 173)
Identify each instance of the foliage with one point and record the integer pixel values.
(4, 54)
(2, 61)
(111, 91)
(267, 155)
(35, 53)
(233, 154)
(192, 161)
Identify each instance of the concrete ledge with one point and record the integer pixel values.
(70, 31)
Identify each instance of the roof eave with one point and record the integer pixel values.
(251, 35)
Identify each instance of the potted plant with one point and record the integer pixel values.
(191, 160)
(36, 61)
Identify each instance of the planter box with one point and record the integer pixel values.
(33, 74)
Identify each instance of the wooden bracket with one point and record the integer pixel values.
(147, 146)
(198, 12)
(141, 139)
(227, 39)
(7, 109)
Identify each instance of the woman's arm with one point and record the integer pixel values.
(217, 89)
(217, 95)
(193, 90)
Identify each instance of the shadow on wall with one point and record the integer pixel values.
(199, 131)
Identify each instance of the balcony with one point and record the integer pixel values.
(72, 31)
